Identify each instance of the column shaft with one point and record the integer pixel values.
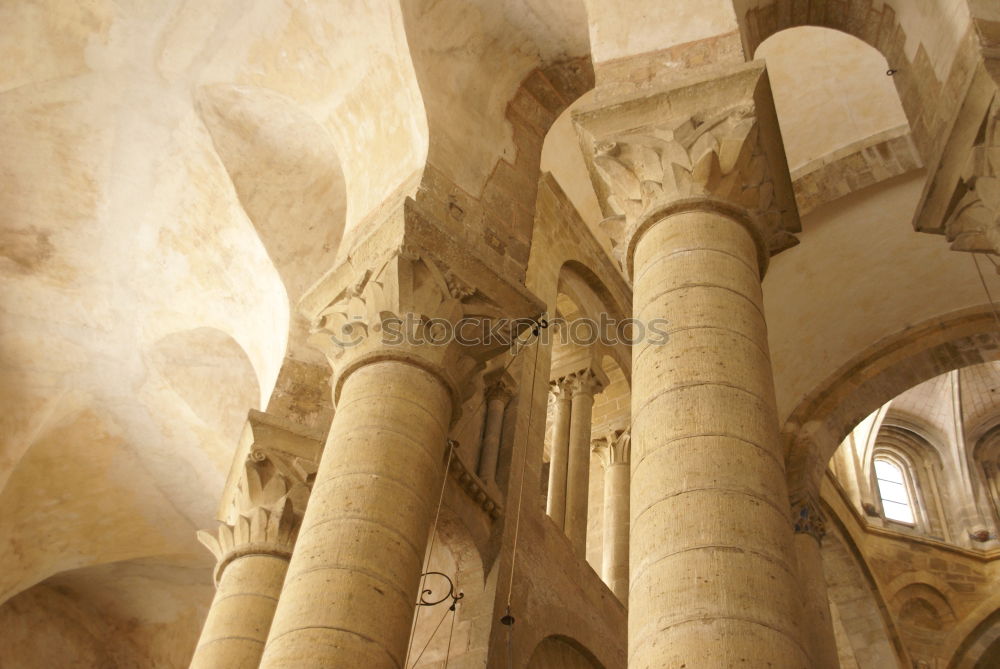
(713, 580)
(614, 569)
(351, 588)
(491, 438)
(556, 506)
(578, 468)
(236, 627)
(817, 622)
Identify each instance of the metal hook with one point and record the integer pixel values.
(429, 592)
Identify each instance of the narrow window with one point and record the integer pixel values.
(892, 489)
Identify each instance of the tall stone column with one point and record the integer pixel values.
(584, 384)
(498, 394)
(614, 565)
(262, 508)
(558, 458)
(817, 627)
(696, 174)
(384, 320)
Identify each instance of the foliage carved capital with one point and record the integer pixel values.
(713, 144)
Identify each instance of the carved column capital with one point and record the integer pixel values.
(586, 381)
(500, 387)
(615, 447)
(266, 512)
(807, 517)
(267, 491)
(410, 293)
(561, 388)
(713, 144)
(973, 223)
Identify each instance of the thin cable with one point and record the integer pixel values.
(986, 289)
(514, 350)
(431, 637)
(524, 462)
(451, 635)
(430, 549)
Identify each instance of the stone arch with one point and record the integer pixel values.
(485, 176)
(819, 423)
(592, 295)
(559, 652)
(922, 605)
(976, 638)
(986, 459)
(862, 622)
(923, 616)
(194, 364)
(923, 465)
(862, 137)
(929, 99)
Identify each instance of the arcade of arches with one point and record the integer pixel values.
(245, 424)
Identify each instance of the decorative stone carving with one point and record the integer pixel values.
(973, 224)
(808, 519)
(265, 513)
(500, 387)
(267, 490)
(715, 157)
(702, 144)
(586, 381)
(618, 447)
(405, 308)
(407, 293)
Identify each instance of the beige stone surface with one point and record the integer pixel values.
(191, 191)
(830, 90)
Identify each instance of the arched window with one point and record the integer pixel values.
(894, 491)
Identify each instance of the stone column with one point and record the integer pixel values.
(697, 174)
(556, 506)
(497, 396)
(584, 385)
(614, 565)
(383, 320)
(262, 507)
(817, 621)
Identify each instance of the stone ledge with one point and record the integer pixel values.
(858, 165)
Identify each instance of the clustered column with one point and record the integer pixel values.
(556, 503)
(614, 564)
(698, 174)
(569, 464)
(497, 396)
(583, 385)
(817, 628)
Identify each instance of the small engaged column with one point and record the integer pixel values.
(817, 628)
(614, 569)
(584, 384)
(697, 173)
(497, 397)
(558, 458)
